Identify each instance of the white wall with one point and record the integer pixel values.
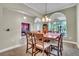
(12, 20)
(77, 22)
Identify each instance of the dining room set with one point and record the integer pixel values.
(45, 43)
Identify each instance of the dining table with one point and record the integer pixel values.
(51, 35)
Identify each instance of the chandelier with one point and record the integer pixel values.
(45, 18)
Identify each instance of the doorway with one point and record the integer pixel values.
(25, 27)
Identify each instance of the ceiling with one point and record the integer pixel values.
(51, 7)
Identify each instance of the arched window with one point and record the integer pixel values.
(37, 24)
(58, 24)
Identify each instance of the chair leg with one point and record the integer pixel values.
(61, 51)
(51, 48)
(32, 51)
(27, 48)
(61, 48)
(47, 52)
(32, 48)
(58, 52)
(43, 52)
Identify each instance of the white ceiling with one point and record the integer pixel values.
(51, 7)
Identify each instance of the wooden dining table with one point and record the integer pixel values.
(51, 35)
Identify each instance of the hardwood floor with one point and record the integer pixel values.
(69, 50)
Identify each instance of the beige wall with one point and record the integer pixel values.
(71, 22)
(12, 20)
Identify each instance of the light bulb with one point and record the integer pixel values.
(43, 19)
(46, 18)
(49, 20)
(24, 17)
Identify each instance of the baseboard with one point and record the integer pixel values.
(10, 48)
(72, 43)
(19, 45)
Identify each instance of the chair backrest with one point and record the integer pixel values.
(39, 41)
(29, 36)
(39, 36)
(60, 37)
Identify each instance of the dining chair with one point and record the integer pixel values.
(29, 40)
(40, 45)
(57, 45)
